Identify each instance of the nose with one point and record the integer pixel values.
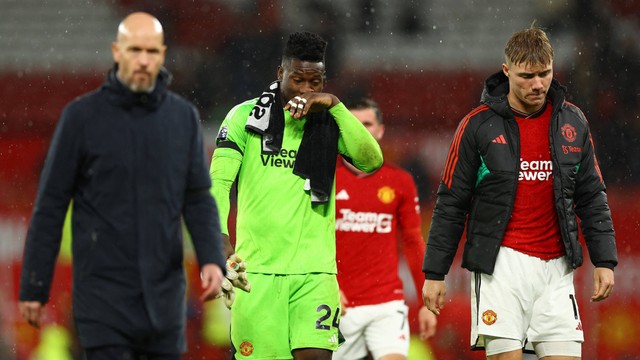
(537, 83)
(143, 58)
(306, 88)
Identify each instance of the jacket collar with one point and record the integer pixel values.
(119, 94)
(496, 88)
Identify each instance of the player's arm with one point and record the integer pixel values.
(226, 161)
(225, 165)
(355, 141)
(413, 244)
(592, 207)
(409, 224)
(454, 195)
(450, 213)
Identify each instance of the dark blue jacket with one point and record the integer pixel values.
(479, 184)
(133, 164)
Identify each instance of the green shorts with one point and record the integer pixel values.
(283, 313)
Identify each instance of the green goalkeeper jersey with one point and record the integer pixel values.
(278, 230)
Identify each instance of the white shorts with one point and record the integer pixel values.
(527, 299)
(379, 329)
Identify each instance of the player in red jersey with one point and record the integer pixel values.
(372, 210)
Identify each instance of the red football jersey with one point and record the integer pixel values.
(533, 228)
(374, 212)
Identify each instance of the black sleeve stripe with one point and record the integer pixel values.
(229, 144)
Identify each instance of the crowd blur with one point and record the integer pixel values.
(224, 59)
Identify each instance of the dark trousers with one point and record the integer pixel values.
(124, 353)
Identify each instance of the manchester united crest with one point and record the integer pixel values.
(568, 132)
(246, 348)
(386, 194)
(489, 317)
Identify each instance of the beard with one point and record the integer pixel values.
(141, 82)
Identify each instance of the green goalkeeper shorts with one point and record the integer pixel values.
(283, 313)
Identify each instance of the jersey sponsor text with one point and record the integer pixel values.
(284, 158)
(536, 170)
(367, 222)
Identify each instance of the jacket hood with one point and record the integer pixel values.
(496, 88)
(118, 93)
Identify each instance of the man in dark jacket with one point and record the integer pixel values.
(131, 157)
(521, 167)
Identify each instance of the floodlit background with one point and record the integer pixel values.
(423, 61)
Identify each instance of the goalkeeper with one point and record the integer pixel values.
(282, 148)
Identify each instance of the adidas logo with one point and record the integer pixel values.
(333, 339)
(499, 140)
(342, 195)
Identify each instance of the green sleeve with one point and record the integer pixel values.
(224, 169)
(226, 162)
(355, 141)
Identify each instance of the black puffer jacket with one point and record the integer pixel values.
(480, 178)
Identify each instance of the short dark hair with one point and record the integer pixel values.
(363, 104)
(305, 46)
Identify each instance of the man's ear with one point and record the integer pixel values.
(280, 73)
(505, 70)
(115, 51)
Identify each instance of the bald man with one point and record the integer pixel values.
(129, 156)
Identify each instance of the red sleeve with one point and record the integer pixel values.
(409, 221)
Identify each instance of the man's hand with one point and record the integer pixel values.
(211, 280)
(428, 322)
(31, 311)
(236, 277)
(433, 292)
(602, 283)
(301, 105)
